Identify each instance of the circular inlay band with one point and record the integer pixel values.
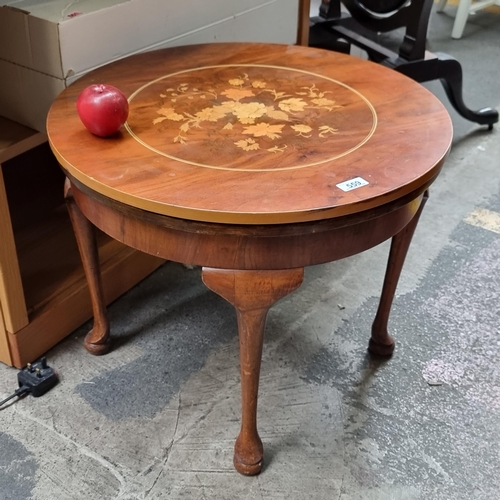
(242, 117)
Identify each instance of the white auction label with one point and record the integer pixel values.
(352, 184)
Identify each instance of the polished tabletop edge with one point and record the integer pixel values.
(226, 217)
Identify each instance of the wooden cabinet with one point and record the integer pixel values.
(43, 291)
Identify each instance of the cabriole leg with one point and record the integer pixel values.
(252, 293)
(97, 340)
(381, 343)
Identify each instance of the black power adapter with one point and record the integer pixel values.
(36, 378)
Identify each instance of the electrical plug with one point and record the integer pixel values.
(37, 378)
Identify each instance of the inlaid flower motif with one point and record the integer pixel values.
(247, 144)
(259, 84)
(247, 112)
(211, 114)
(293, 104)
(168, 114)
(277, 95)
(237, 94)
(325, 103)
(325, 129)
(252, 108)
(264, 130)
(228, 106)
(237, 82)
(277, 149)
(302, 130)
(276, 114)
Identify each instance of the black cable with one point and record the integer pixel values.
(36, 379)
(19, 392)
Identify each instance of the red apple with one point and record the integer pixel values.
(102, 108)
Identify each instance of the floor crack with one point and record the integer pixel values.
(168, 449)
(171, 445)
(81, 448)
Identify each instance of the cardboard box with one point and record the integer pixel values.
(46, 45)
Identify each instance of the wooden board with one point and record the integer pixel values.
(4, 345)
(16, 139)
(11, 289)
(303, 26)
(122, 268)
(43, 292)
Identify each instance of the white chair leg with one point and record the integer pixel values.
(461, 18)
(441, 5)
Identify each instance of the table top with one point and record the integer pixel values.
(255, 134)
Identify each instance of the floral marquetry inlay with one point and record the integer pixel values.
(230, 117)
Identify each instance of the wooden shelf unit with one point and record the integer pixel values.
(43, 291)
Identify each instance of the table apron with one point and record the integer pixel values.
(244, 251)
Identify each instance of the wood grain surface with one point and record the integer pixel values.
(12, 303)
(255, 134)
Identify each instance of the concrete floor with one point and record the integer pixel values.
(157, 417)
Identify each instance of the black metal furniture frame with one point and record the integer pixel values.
(366, 18)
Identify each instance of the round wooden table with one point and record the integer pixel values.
(252, 161)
